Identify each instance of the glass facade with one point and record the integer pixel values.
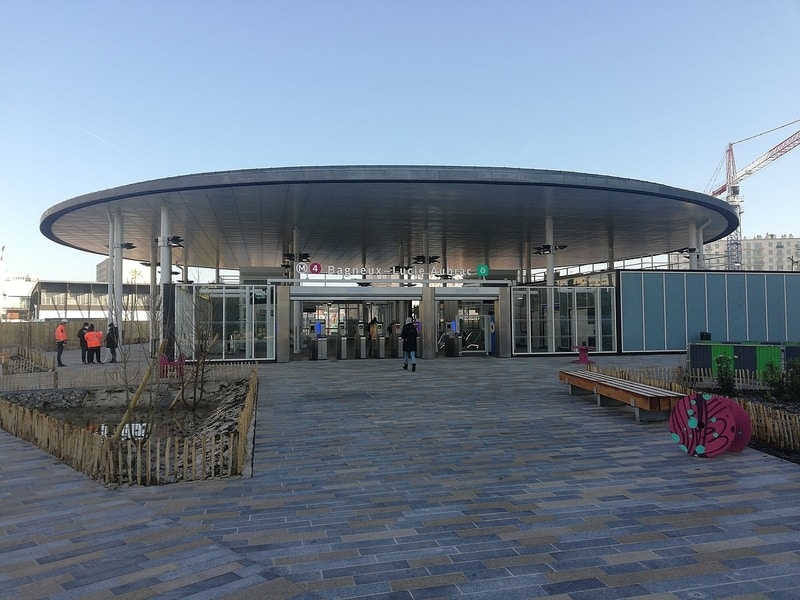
(227, 322)
(667, 310)
(558, 319)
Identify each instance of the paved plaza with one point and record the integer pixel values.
(473, 478)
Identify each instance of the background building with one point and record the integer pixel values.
(770, 252)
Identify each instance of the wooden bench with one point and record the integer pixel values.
(649, 403)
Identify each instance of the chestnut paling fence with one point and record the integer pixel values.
(771, 424)
(147, 461)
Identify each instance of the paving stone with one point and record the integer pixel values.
(482, 480)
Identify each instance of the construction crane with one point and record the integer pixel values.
(733, 178)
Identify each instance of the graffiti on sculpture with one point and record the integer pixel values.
(706, 426)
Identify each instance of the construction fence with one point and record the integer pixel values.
(137, 460)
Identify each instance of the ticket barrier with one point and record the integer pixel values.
(319, 344)
(319, 348)
(341, 346)
(381, 342)
(360, 341)
(398, 342)
(452, 341)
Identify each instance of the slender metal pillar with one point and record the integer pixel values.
(297, 307)
(163, 243)
(154, 296)
(112, 243)
(551, 259)
(692, 245)
(216, 265)
(166, 308)
(119, 233)
(185, 266)
(526, 263)
(426, 253)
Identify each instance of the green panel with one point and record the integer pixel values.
(767, 354)
(720, 350)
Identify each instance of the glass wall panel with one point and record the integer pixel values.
(675, 310)
(538, 320)
(234, 322)
(654, 322)
(607, 320)
(585, 318)
(776, 308)
(521, 321)
(696, 319)
(564, 318)
(582, 316)
(736, 286)
(792, 312)
(717, 306)
(631, 311)
(756, 316)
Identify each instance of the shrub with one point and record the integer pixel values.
(774, 378)
(792, 381)
(726, 376)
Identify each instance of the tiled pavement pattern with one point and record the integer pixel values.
(472, 478)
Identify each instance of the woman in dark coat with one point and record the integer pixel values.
(111, 341)
(409, 335)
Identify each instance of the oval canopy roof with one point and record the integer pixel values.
(351, 216)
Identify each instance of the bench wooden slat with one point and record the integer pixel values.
(641, 397)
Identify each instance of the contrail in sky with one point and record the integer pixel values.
(98, 138)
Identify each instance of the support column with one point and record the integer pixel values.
(163, 243)
(427, 316)
(701, 255)
(119, 233)
(401, 261)
(526, 263)
(185, 267)
(216, 265)
(551, 259)
(112, 244)
(154, 296)
(692, 245)
(296, 307)
(426, 253)
(167, 299)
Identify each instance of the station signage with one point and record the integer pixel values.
(315, 268)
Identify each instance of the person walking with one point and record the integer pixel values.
(409, 334)
(82, 340)
(111, 341)
(372, 350)
(61, 340)
(94, 341)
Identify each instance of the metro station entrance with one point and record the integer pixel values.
(452, 320)
(251, 322)
(350, 329)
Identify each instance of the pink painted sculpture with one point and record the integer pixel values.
(706, 426)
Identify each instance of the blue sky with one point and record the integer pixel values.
(97, 94)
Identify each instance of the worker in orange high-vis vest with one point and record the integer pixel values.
(61, 340)
(94, 341)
